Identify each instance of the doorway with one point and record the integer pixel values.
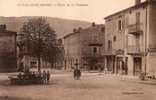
(137, 65)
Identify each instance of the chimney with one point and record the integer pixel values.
(74, 30)
(93, 24)
(137, 2)
(80, 28)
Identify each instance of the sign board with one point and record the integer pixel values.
(119, 52)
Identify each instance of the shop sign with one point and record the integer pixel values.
(120, 52)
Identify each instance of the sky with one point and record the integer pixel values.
(87, 10)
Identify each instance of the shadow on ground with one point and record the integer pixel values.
(13, 98)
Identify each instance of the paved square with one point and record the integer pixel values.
(90, 87)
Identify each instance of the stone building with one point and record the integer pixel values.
(84, 47)
(7, 50)
(130, 39)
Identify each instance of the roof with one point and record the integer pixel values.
(130, 8)
(70, 34)
(98, 26)
(7, 32)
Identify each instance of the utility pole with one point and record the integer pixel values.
(39, 52)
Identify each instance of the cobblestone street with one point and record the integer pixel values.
(92, 86)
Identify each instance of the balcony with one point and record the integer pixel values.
(120, 52)
(95, 44)
(135, 29)
(110, 53)
(132, 50)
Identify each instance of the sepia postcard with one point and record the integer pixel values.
(77, 49)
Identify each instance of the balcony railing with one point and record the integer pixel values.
(135, 29)
(110, 52)
(134, 50)
(95, 44)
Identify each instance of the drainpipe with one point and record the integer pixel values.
(145, 55)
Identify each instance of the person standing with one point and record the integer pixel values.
(75, 73)
(44, 78)
(78, 74)
(48, 76)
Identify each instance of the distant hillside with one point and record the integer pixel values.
(61, 26)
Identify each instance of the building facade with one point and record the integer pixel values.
(84, 47)
(130, 39)
(8, 59)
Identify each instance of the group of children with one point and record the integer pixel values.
(36, 77)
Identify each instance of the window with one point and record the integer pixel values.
(131, 40)
(114, 38)
(96, 37)
(138, 17)
(130, 11)
(102, 29)
(109, 44)
(119, 25)
(94, 50)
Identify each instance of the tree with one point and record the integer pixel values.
(38, 38)
(55, 54)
